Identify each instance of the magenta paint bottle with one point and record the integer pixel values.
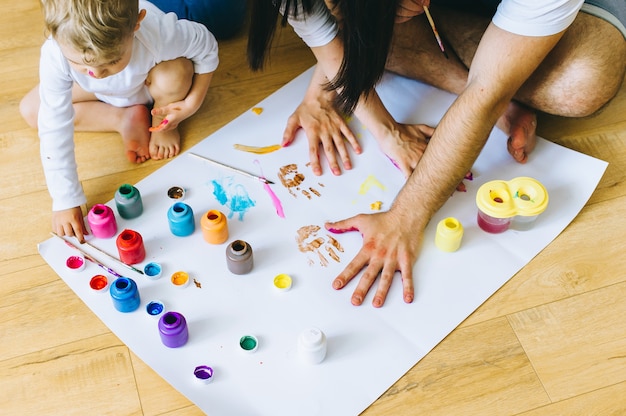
(130, 247)
(173, 330)
(102, 221)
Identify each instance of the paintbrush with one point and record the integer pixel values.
(432, 26)
(243, 172)
(87, 256)
(128, 266)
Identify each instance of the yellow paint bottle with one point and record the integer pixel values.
(449, 234)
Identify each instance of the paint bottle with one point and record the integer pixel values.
(173, 329)
(128, 202)
(130, 247)
(449, 234)
(180, 218)
(102, 221)
(125, 294)
(239, 258)
(214, 227)
(312, 345)
(503, 203)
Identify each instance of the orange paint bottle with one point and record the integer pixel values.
(214, 227)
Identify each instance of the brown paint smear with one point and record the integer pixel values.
(292, 180)
(310, 242)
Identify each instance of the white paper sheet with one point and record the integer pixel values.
(368, 349)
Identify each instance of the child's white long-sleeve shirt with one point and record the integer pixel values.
(160, 37)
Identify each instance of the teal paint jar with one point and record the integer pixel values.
(128, 202)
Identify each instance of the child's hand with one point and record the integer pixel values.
(171, 115)
(69, 222)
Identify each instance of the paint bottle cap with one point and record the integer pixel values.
(176, 193)
(203, 374)
(248, 343)
(282, 282)
(180, 279)
(98, 283)
(153, 270)
(75, 263)
(155, 308)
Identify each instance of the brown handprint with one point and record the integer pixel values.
(292, 180)
(309, 241)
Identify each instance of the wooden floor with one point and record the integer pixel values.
(551, 341)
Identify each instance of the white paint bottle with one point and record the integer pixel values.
(312, 345)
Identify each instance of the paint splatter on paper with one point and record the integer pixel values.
(309, 241)
(258, 150)
(293, 180)
(232, 195)
(369, 182)
(257, 110)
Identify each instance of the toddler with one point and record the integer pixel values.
(104, 64)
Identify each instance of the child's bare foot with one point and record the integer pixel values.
(520, 123)
(164, 144)
(134, 132)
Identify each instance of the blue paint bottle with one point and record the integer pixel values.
(128, 202)
(180, 218)
(125, 294)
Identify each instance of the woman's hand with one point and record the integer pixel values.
(325, 128)
(405, 145)
(408, 9)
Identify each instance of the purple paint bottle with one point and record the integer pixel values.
(173, 330)
(102, 221)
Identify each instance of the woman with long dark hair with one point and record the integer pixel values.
(505, 60)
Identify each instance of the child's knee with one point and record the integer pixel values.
(171, 80)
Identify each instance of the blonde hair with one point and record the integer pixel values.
(96, 28)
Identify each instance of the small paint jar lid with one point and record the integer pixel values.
(98, 283)
(75, 263)
(203, 374)
(180, 279)
(176, 193)
(282, 282)
(248, 343)
(153, 270)
(155, 308)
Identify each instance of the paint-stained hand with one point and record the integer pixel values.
(405, 145)
(69, 222)
(389, 246)
(326, 129)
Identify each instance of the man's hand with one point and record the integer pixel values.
(389, 246)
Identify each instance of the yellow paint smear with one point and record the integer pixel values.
(257, 110)
(376, 206)
(368, 183)
(258, 150)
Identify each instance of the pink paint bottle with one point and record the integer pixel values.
(102, 221)
(130, 247)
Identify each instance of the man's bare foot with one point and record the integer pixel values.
(134, 132)
(520, 123)
(164, 144)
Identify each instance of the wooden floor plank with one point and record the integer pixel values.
(576, 345)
